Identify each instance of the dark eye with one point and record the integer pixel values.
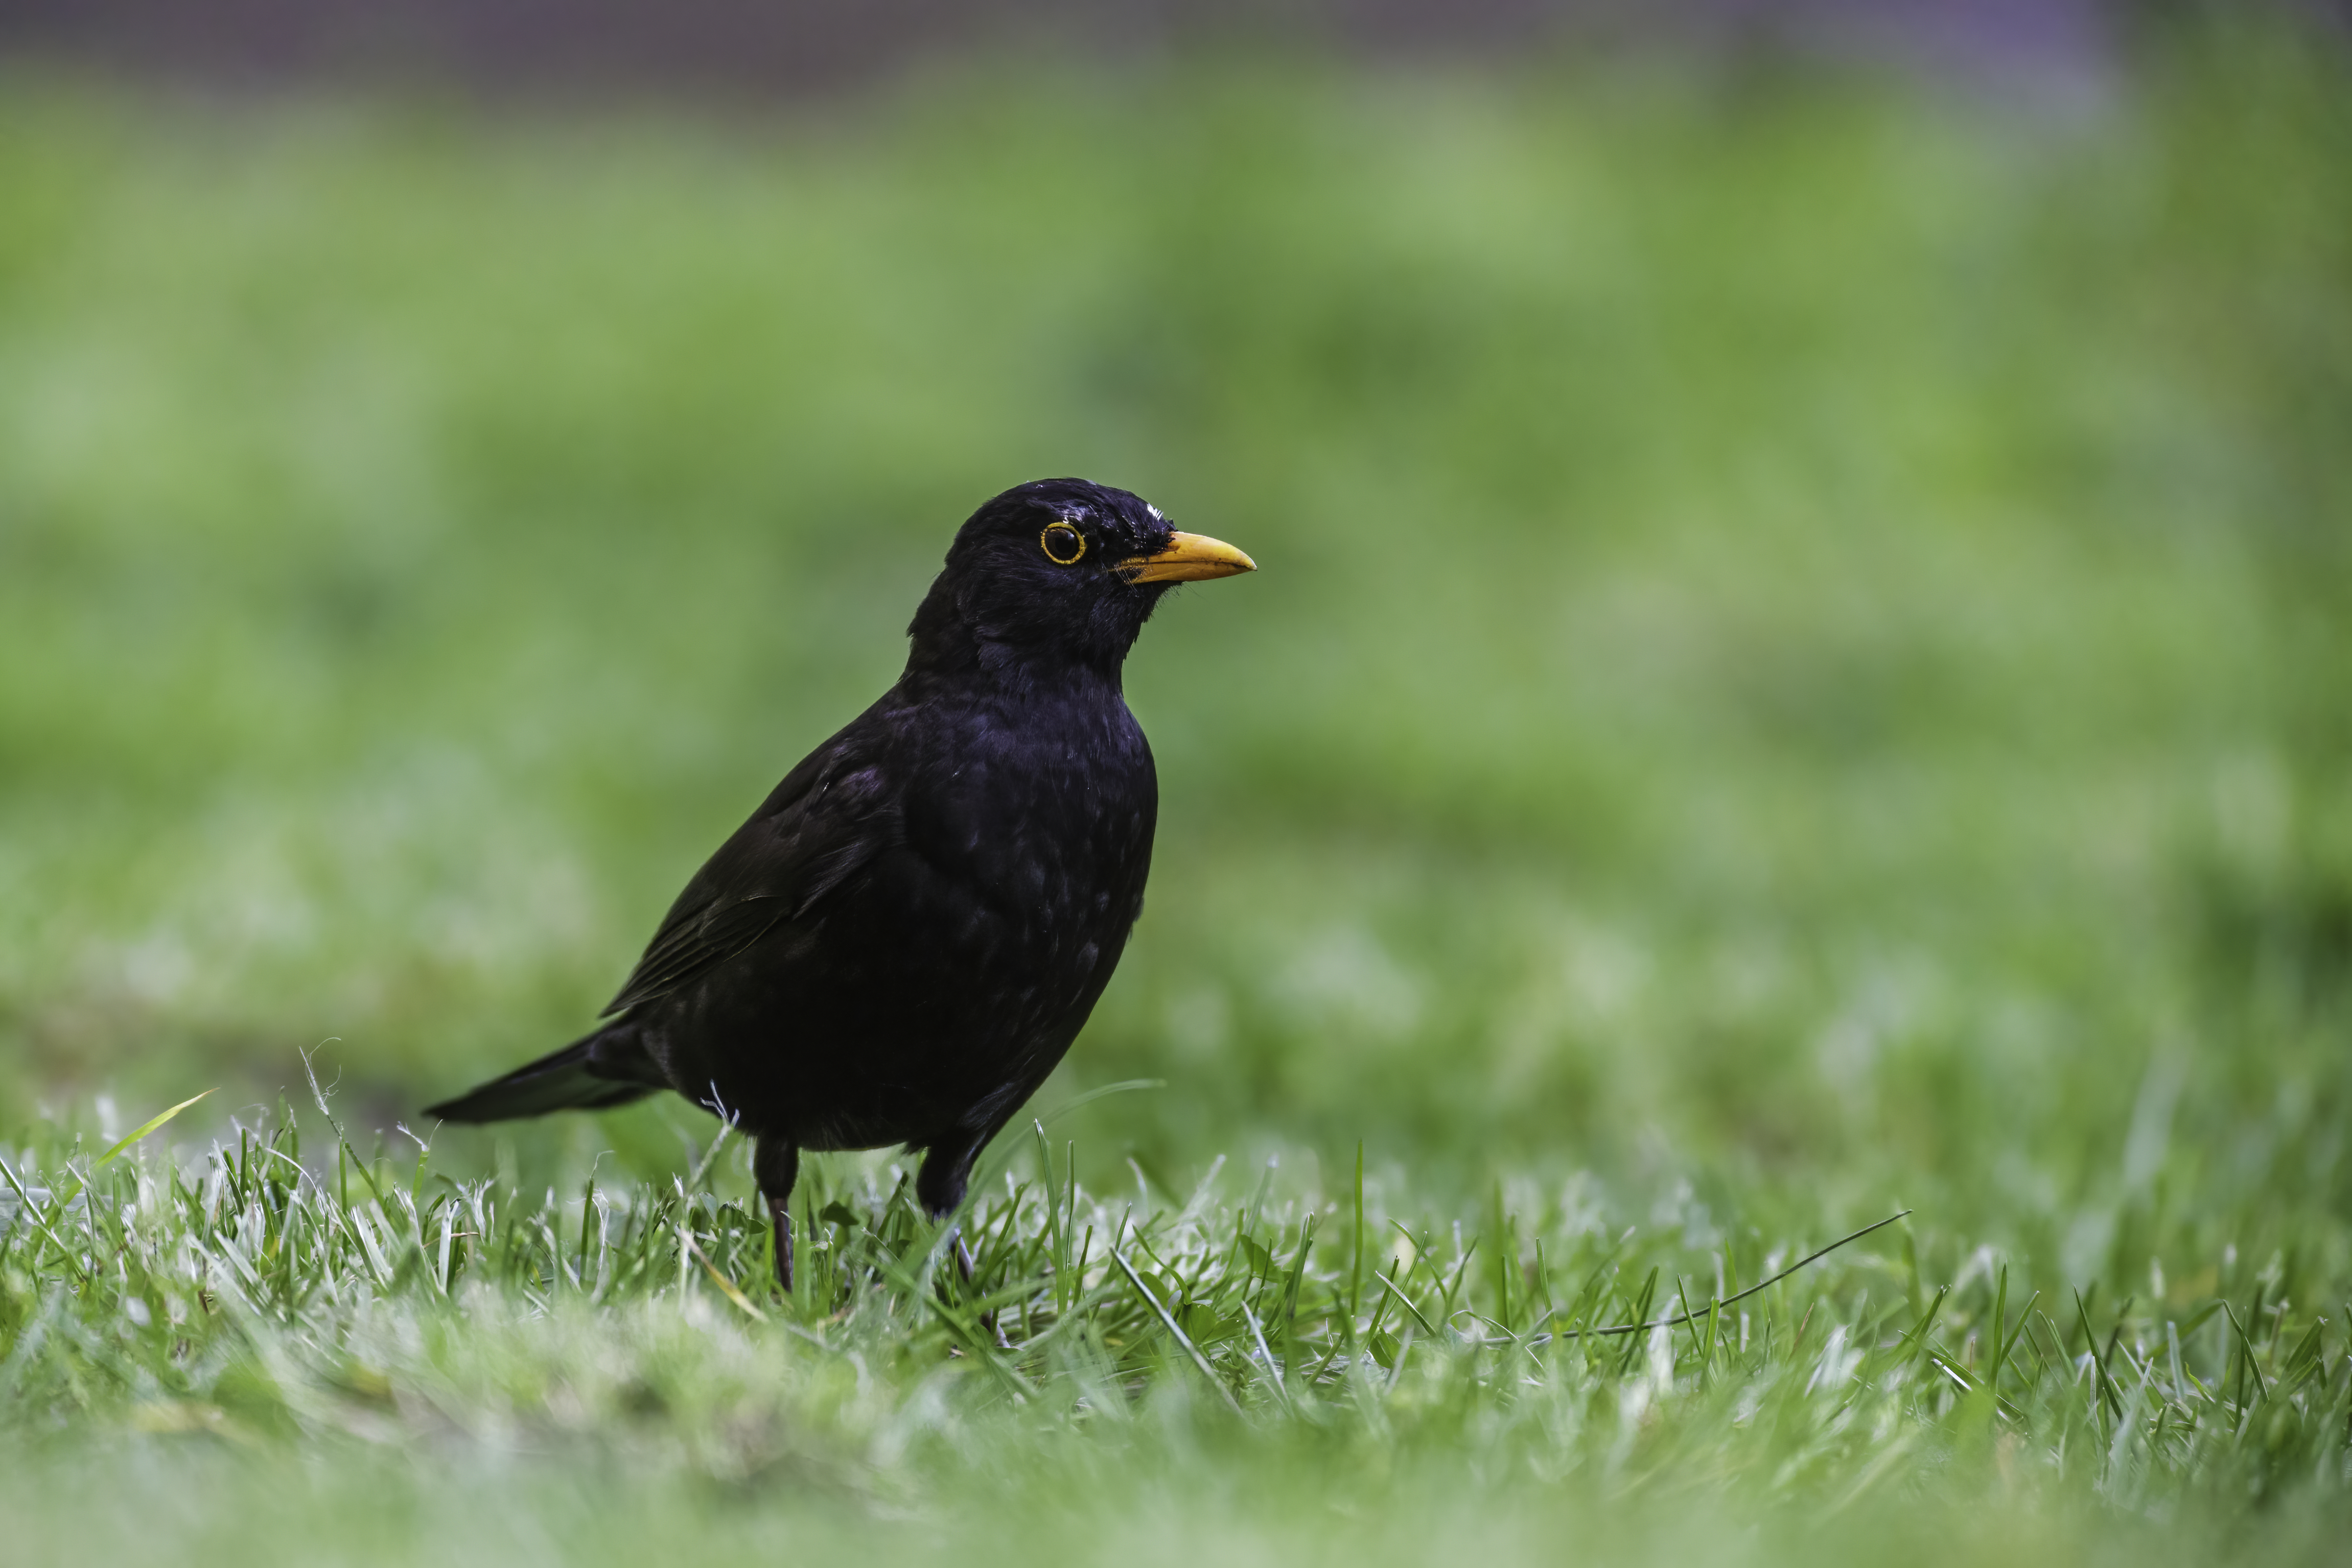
(1063, 544)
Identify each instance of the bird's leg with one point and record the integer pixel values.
(947, 1172)
(940, 1187)
(776, 1166)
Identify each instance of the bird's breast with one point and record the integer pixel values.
(1047, 818)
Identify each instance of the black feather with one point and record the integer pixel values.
(605, 1070)
(901, 942)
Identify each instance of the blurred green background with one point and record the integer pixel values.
(1801, 645)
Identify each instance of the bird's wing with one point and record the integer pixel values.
(828, 817)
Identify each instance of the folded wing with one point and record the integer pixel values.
(830, 816)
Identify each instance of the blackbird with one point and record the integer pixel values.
(905, 937)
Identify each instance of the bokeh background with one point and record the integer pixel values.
(1806, 614)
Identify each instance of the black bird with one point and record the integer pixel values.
(906, 937)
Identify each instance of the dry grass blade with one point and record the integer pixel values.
(1688, 1316)
(727, 1287)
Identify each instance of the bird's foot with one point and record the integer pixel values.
(968, 1269)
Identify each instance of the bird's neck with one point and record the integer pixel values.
(947, 647)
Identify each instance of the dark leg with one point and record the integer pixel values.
(940, 1187)
(947, 1171)
(775, 1166)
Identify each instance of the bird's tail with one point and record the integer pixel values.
(605, 1069)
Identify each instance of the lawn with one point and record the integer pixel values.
(1798, 675)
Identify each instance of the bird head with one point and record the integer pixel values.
(1059, 571)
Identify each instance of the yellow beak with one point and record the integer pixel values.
(1189, 558)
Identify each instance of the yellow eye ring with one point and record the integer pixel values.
(1075, 543)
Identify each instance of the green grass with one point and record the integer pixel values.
(1797, 674)
(1108, 1353)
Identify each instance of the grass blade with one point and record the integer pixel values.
(148, 1126)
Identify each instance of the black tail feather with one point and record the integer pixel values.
(608, 1068)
